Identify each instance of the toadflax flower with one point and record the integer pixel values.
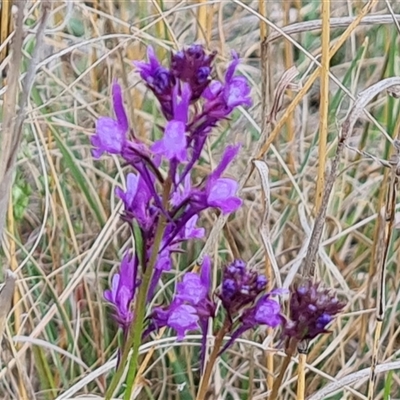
(173, 144)
(122, 292)
(111, 133)
(191, 306)
(245, 300)
(312, 308)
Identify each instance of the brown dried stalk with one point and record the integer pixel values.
(390, 210)
(347, 127)
(14, 116)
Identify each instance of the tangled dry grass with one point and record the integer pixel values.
(63, 234)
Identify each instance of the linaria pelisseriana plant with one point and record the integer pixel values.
(162, 206)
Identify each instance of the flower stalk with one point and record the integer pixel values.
(290, 350)
(205, 379)
(136, 328)
(301, 377)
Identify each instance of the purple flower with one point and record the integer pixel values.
(154, 74)
(236, 90)
(221, 194)
(245, 301)
(312, 308)
(180, 317)
(190, 231)
(136, 200)
(173, 145)
(191, 306)
(265, 312)
(163, 262)
(159, 79)
(218, 192)
(110, 134)
(191, 289)
(221, 98)
(123, 289)
(182, 191)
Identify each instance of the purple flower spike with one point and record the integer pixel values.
(110, 134)
(123, 289)
(245, 301)
(312, 308)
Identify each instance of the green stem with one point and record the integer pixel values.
(135, 331)
(213, 357)
(277, 384)
(140, 310)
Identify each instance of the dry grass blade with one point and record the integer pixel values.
(286, 82)
(323, 113)
(390, 210)
(301, 376)
(357, 377)
(358, 108)
(6, 295)
(342, 22)
(5, 27)
(264, 228)
(14, 117)
(8, 139)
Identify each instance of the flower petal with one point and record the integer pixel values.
(173, 144)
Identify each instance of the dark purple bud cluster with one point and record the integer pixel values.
(312, 308)
(193, 66)
(245, 300)
(240, 287)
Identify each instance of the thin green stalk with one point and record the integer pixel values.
(136, 328)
